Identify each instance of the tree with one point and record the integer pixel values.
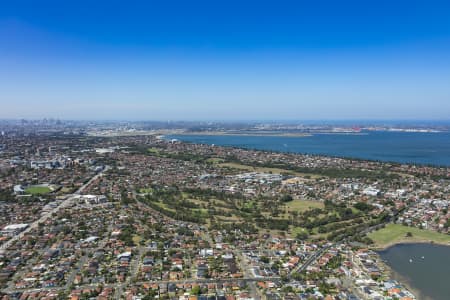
(195, 290)
(150, 295)
(362, 206)
(303, 235)
(409, 234)
(286, 198)
(264, 259)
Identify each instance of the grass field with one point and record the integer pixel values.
(136, 239)
(297, 230)
(303, 205)
(215, 160)
(146, 191)
(396, 233)
(154, 150)
(164, 206)
(38, 190)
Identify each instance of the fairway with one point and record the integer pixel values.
(38, 190)
(396, 233)
(154, 150)
(136, 239)
(303, 205)
(215, 160)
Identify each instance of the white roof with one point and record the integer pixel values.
(125, 254)
(90, 239)
(15, 226)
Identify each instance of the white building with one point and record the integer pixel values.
(13, 229)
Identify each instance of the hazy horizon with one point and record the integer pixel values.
(289, 60)
(306, 122)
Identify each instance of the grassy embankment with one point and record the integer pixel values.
(396, 233)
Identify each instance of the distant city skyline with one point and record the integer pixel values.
(203, 60)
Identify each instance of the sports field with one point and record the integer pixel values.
(38, 190)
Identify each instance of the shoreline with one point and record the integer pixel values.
(402, 241)
(222, 133)
(178, 135)
(262, 133)
(404, 281)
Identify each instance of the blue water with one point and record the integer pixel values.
(424, 266)
(402, 147)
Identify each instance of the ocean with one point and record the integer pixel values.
(426, 148)
(428, 275)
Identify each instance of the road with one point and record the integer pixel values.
(68, 200)
(185, 281)
(317, 254)
(242, 265)
(248, 278)
(311, 259)
(247, 274)
(84, 259)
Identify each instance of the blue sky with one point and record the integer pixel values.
(225, 60)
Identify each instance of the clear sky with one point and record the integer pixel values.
(225, 60)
